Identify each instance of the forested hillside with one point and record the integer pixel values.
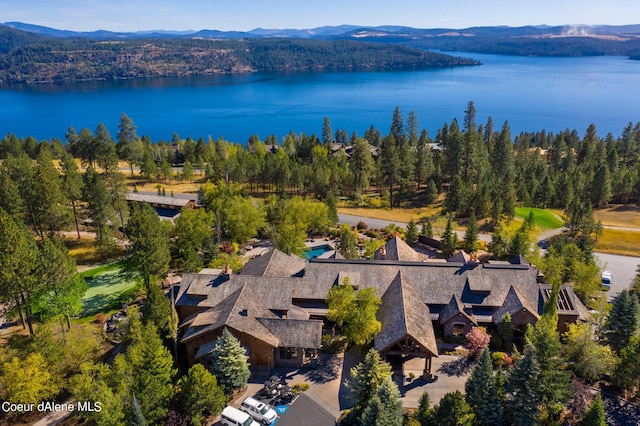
(28, 58)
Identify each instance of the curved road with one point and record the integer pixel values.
(623, 268)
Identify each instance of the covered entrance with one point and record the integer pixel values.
(407, 331)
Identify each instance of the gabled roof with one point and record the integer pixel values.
(206, 291)
(294, 333)
(274, 263)
(453, 309)
(460, 256)
(402, 314)
(397, 249)
(513, 303)
(238, 311)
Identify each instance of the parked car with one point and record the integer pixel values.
(606, 279)
(234, 417)
(259, 411)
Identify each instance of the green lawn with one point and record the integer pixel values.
(109, 287)
(543, 219)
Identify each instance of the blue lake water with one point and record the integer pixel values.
(531, 93)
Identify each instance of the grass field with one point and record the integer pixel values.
(400, 215)
(543, 219)
(624, 216)
(109, 287)
(616, 241)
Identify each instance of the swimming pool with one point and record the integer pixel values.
(317, 251)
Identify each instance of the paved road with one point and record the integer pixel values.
(623, 270)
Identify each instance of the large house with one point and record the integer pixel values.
(277, 305)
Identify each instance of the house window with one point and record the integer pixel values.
(458, 329)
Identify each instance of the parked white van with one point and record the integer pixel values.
(259, 411)
(234, 417)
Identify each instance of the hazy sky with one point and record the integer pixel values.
(134, 15)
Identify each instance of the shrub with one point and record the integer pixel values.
(100, 318)
(501, 358)
(362, 225)
(300, 387)
(333, 345)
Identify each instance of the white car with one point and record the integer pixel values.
(259, 411)
(234, 417)
(606, 279)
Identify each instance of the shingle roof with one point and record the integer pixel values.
(238, 311)
(454, 308)
(514, 302)
(403, 313)
(274, 263)
(460, 256)
(293, 333)
(208, 290)
(397, 249)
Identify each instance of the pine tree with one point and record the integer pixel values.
(366, 379)
(157, 309)
(623, 320)
(425, 413)
(137, 417)
(554, 379)
(411, 236)
(452, 410)
(481, 392)
(200, 394)
(327, 134)
(229, 363)
(523, 396)
(427, 228)
(152, 370)
(627, 372)
(595, 414)
(431, 193)
(389, 397)
(470, 242)
(448, 240)
(149, 252)
(72, 185)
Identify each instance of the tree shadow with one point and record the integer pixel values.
(458, 367)
(328, 369)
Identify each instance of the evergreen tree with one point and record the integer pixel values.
(452, 410)
(502, 166)
(361, 165)
(554, 379)
(19, 283)
(481, 392)
(332, 208)
(149, 252)
(229, 363)
(327, 134)
(389, 396)
(425, 413)
(72, 185)
(424, 166)
(470, 242)
(366, 378)
(390, 165)
(505, 330)
(595, 414)
(431, 193)
(523, 398)
(137, 417)
(128, 146)
(623, 320)
(627, 372)
(427, 228)
(200, 394)
(157, 309)
(152, 373)
(64, 287)
(411, 236)
(10, 199)
(448, 240)
(49, 204)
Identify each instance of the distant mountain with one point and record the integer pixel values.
(378, 33)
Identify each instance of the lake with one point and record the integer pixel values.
(532, 93)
